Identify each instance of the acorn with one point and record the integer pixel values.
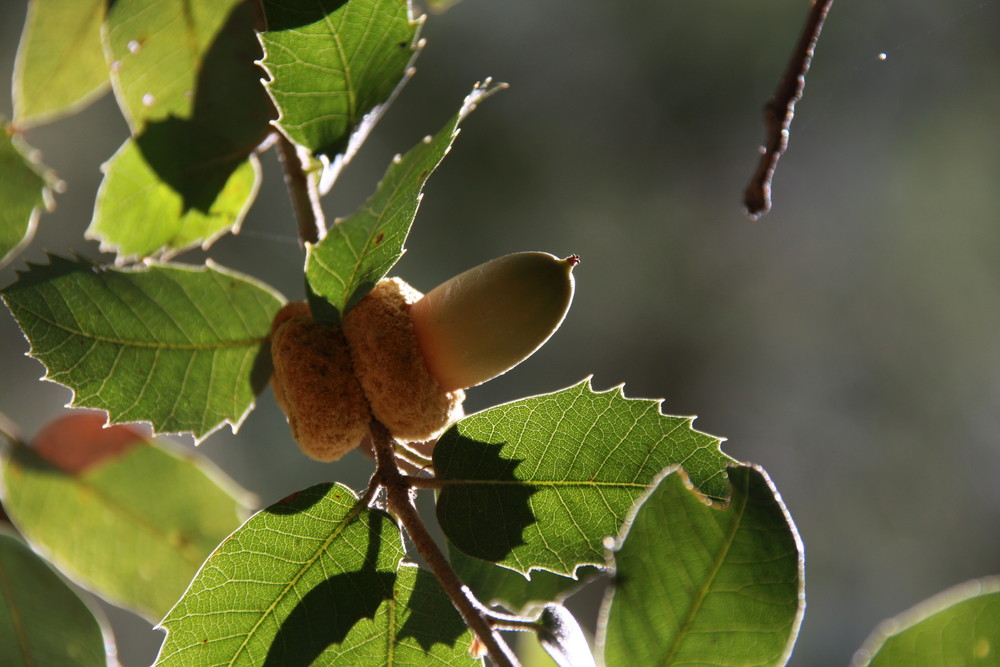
(415, 354)
(483, 322)
(315, 384)
(406, 358)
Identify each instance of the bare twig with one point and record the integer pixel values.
(303, 191)
(400, 501)
(780, 109)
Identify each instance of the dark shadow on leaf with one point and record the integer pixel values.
(326, 614)
(196, 156)
(291, 15)
(300, 501)
(431, 628)
(483, 508)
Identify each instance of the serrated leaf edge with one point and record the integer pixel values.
(165, 253)
(138, 268)
(331, 170)
(613, 544)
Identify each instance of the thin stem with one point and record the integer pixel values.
(415, 482)
(780, 110)
(303, 191)
(400, 502)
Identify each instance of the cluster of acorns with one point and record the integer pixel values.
(404, 358)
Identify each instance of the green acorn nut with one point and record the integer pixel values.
(405, 358)
(483, 322)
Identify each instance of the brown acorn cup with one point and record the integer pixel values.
(315, 385)
(401, 391)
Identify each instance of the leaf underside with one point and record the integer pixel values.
(185, 77)
(331, 63)
(180, 347)
(540, 482)
(960, 626)
(694, 581)
(314, 579)
(23, 195)
(361, 249)
(144, 518)
(37, 606)
(60, 64)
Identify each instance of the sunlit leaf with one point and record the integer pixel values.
(292, 581)
(359, 250)
(180, 347)
(60, 64)
(121, 515)
(23, 195)
(540, 482)
(165, 193)
(418, 626)
(334, 65)
(163, 53)
(185, 74)
(960, 626)
(42, 620)
(695, 583)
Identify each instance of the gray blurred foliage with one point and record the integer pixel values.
(847, 341)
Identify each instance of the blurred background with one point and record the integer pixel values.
(847, 341)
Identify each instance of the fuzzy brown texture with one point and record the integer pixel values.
(315, 385)
(403, 394)
(289, 310)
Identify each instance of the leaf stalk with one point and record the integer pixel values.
(399, 497)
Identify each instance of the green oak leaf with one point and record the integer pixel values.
(156, 200)
(294, 580)
(185, 75)
(144, 516)
(960, 626)
(539, 483)
(359, 250)
(417, 626)
(494, 584)
(42, 620)
(182, 347)
(693, 581)
(60, 64)
(334, 65)
(159, 52)
(23, 194)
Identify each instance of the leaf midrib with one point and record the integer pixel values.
(704, 589)
(170, 345)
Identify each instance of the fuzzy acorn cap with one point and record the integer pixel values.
(315, 385)
(403, 394)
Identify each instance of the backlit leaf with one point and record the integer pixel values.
(418, 626)
(359, 250)
(164, 193)
(960, 626)
(694, 583)
(180, 347)
(60, 64)
(42, 620)
(184, 73)
(23, 195)
(294, 580)
(334, 65)
(121, 515)
(540, 482)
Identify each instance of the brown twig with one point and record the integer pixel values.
(303, 191)
(399, 498)
(778, 112)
